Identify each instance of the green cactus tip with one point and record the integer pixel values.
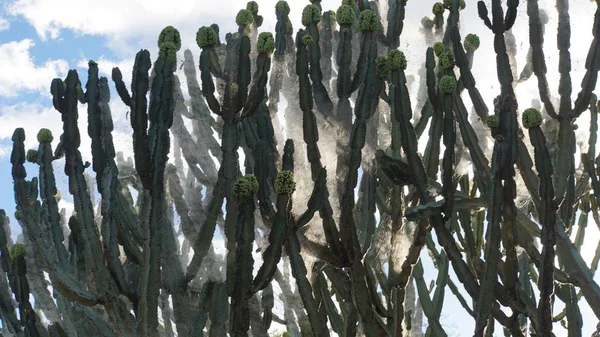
(397, 60)
(169, 51)
(439, 48)
(252, 6)
(206, 37)
(438, 8)
(471, 42)
(492, 122)
(32, 156)
(45, 136)
(289, 29)
(265, 43)
(284, 183)
(448, 4)
(282, 5)
(244, 18)
(307, 40)
(311, 14)
(368, 21)
(532, 118)
(245, 186)
(447, 84)
(346, 15)
(446, 60)
(170, 34)
(17, 250)
(427, 23)
(383, 66)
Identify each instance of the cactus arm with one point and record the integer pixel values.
(395, 18)
(588, 158)
(245, 188)
(279, 230)
(208, 86)
(536, 40)
(311, 137)
(428, 306)
(311, 16)
(565, 87)
(592, 64)
(319, 327)
(49, 203)
(138, 118)
(548, 220)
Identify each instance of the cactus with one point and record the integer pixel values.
(127, 258)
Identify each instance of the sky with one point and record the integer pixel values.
(43, 39)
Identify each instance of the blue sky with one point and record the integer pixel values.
(43, 39)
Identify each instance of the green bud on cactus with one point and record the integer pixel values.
(282, 5)
(32, 156)
(368, 21)
(284, 183)
(170, 34)
(492, 122)
(397, 60)
(446, 60)
(346, 15)
(471, 42)
(245, 186)
(252, 6)
(17, 250)
(244, 18)
(448, 4)
(169, 51)
(531, 118)
(18, 214)
(307, 40)
(447, 84)
(265, 43)
(438, 8)
(206, 37)
(427, 23)
(383, 66)
(289, 29)
(45, 136)
(311, 14)
(439, 48)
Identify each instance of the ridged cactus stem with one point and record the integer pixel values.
(395, 19)
(592, 64)
(138, 117)
(311, 137)
(285, 185)
(547, 213)
(311, 16)
(318, 324)
(245, 188)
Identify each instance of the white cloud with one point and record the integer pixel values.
(22, 73)
(31, 117)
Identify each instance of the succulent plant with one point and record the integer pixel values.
(284, 183)
(447, 84)
(246, 186)
(531, 118)
(45, 136)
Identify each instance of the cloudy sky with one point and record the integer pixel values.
(43, 39)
